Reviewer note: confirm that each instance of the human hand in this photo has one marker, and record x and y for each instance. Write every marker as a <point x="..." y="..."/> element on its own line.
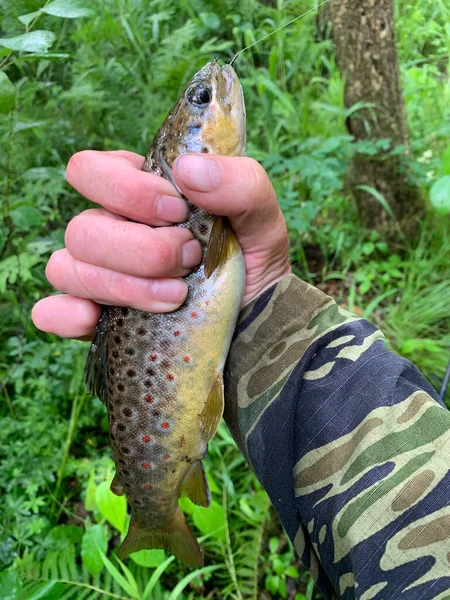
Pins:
<point x="111" y="260"/>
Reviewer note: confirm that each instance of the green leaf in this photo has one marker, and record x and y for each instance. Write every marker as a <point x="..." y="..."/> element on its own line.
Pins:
<point x="10" y="585"/>
<point x="90" y="502"/>
<point x="210" y="520"/>
<point x="181" y="585"/>
<point x="376" y="194"/>
<point x="278" y="566"/>
<point x="130" y="588"/>
<point x="445" y="170"/>
<point x="26" y="19"/>
<point x="273" y="544"/>
<point x="94" y="540"/>
<point x="112" y="507"/>
<point x="67" y="9"/>
<point x="186" y="505"/>
<point x="27" y="217"/>
<point x="34" y="41"/>
<point x="155" y="577"/>
<point x="440" y="195"/>
<point x="148" y="558"/>
<point x="291" y="571"/>
<point x="7" y="94"/>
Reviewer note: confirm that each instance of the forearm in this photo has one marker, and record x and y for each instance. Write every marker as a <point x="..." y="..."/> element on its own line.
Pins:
<point x="347" y="438"/>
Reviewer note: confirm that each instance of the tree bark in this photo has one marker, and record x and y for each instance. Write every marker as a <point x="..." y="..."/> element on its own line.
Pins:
<point x="365" y="39"/>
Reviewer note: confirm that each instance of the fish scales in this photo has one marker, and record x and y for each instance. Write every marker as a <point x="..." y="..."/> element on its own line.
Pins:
<point x="160" y="375"/>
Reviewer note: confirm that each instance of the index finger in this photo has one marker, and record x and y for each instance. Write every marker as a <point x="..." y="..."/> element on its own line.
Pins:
<point x="116" y="181"/>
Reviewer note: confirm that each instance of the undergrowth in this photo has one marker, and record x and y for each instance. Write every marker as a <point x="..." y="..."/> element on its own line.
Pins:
<point x="105" y="82"/>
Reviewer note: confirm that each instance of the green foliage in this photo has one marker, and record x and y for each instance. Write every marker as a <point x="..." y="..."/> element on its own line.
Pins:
<point x="77" y="74"/>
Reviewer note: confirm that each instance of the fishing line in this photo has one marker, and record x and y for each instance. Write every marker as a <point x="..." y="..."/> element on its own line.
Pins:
<point x="278" y="29"/>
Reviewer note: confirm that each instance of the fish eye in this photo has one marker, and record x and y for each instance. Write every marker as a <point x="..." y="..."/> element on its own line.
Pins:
<point x="201" y="96"/>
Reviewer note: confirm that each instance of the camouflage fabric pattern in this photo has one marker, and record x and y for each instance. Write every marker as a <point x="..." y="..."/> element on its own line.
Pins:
<point x="350" y="441"/>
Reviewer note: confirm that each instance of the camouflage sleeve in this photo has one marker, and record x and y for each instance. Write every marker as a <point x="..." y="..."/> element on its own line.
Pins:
<point x="349" y="440"/>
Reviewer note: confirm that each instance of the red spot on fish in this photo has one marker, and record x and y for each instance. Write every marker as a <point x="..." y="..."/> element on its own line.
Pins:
<point x="148" y="487"/>
<point x="194" y="315"/>
<point x="170" y="376"/>
<point x="153" y="357"/>
<point x="146" y="438"/>
<point x="206" y="302"/>
<point x="145" y="465"/>
<point x="165" y="425"/>
<point x="166" y="456"/>
<point x="176" y="333"/>
<point x="149" y="399"/>
<point x="163" y="499"/>
<point x="186" y="359"/>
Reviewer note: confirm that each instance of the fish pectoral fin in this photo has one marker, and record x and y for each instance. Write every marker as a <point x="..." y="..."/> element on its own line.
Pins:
<point x="195" y="485"/>
<point x="222" y="245"/>
<point x="116" y="486"/>
<point x="213" y="410"/>
<point x="176" y="537"/>
<point x="95" y="371"/>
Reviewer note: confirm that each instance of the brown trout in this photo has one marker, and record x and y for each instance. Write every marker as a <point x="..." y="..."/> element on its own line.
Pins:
<point x="160" y="375"/>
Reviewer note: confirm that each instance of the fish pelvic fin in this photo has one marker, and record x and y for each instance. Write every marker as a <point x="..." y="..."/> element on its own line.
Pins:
<point x="176" y="537"/>
<point x="195" y="485"/>
<point x="222" y="245"/>
<point x="213" y="410"/>
<point x="116" y="486"/>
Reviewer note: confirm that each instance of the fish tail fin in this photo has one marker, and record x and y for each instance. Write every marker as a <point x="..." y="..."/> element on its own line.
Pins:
<point x="176" y="537"/>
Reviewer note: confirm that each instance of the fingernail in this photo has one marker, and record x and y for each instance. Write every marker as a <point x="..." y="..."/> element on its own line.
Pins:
<point x="170" y="208"/>
<point x="169" y="290"/>
<point x="191" y="254"/>
<point x="199" y="173"/>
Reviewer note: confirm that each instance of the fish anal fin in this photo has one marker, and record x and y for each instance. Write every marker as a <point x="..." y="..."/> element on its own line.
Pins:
<point x="95" y="371"/>
<point x="222" y="245"/>
<point x="213" y="410"/>
<point x="116" y="486"/>
<point x="176" y="537"/>
<point x="195" y="485"/>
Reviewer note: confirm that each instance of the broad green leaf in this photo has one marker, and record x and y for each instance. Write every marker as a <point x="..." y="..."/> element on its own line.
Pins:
<point x="186" y="505"/>
<point x="34" y="41"/>
<point x="211" y="519"/>
<point x="291" y="571"/>
<point x="26" y="19"/>
<point x="94" y="540"/>
<point x="90" y="502"/>
<point x="10" y="585"/>
<point x="446" y="162"/>
<point x="7" y="94"/>
<point x="112" y="507"/>
<point x="67" y="9"/>
<point x="27" y="217"/>
<point x="148" y="558"/>
<point x="440" y="195"/>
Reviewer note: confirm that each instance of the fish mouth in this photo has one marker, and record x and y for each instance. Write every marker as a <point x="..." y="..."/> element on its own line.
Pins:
<point x="234" y="98"/>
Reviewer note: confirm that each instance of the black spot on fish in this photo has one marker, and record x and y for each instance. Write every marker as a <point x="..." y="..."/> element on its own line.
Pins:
<point x="131" y="372"/>
<point x="119" y="322"/>
<point x="150" y="371"/>
<point x="115" y="354"/>
<point x="120" y="387"/>
<point x="203" y="229"/>
<point x="145" y="316"/>
<point x="127" y="411"/>
<point x="125" y="472"/>
<point x="165" y="364"/>
<point x="126" y="335"/>
<point x="148" y="383"/>
<point x="117" y="339"/>
<point x="129" y="351"/>
<point x="205" y="150"/>
<point x="121" y="461"/>
<point x="141" y="331"/>
<point x="125" y="450"/>
<point x="121" y="427"/>
<point x="111" y="371"/>
<point x="156" y="413"/>
<point x="124" y="311"/>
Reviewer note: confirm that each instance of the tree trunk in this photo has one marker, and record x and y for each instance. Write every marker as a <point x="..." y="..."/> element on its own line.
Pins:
<point x="365" y="39"/>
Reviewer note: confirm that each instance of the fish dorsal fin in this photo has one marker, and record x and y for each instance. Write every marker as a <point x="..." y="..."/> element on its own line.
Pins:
<point x="213" y="410"/>
<point x="222" y="245"/>
<point x="195" y="485"/>
<point x="116" y="486"/>
<point x="96" y="369"/>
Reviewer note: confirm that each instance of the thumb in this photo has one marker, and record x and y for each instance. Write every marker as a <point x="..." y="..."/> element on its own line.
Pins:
<point x="237" y="187"/>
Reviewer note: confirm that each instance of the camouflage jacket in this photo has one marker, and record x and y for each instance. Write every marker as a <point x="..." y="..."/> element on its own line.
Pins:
<point x="350" y="441"/>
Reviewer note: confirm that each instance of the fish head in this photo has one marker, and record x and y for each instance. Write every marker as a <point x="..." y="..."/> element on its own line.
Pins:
<point x="209" y="117"/>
